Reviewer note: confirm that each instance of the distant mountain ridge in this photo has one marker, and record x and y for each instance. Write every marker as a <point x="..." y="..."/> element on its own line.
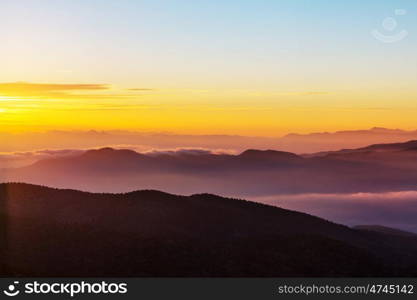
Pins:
<point x="388" y="147"/>
<point x="268" y="154"/>
<point x="347" y="139"/>
<point x="375" y="168"/>
<point x="386" y="230"/>
<point x="371" y="131"/>
<point x="152" y="233"/>
<point x="145" y="141"/>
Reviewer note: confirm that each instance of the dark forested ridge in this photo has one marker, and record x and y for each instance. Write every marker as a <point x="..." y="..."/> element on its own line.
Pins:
<point x="52" y="232"/>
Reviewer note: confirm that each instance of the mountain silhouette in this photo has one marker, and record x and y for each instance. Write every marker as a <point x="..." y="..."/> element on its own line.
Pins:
<point x="386" y="230"/>
<point x="296" y="143"/>
<point x="324" y="141"/>
<point x="375" y="148"/>
<point x="52" y="232"/>
<point x="268" y="155"/>
<point x="376" y="168"/>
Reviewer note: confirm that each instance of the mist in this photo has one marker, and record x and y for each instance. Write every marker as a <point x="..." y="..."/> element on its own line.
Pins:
<point x="392" y="209"/>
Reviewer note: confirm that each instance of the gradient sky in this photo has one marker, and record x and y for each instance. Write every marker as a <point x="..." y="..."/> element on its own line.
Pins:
<point x="228" y="67"/>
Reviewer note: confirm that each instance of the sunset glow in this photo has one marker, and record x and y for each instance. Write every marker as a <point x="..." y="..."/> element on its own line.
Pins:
<point x="208" y="139"/>
<point x="125" y="65"/>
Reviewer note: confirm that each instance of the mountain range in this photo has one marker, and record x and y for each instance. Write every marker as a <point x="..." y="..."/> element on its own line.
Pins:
<point x="147" y="141"/>
<point x="52" y="232"/>
<point x="375" y="168"/>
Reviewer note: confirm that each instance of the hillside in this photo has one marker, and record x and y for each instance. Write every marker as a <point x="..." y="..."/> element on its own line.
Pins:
<point x="52" y="232"/>
<point x="386" y="230"/>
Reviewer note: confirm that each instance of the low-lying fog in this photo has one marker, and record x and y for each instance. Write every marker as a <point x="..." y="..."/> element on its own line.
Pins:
<point x="393" y="209"/>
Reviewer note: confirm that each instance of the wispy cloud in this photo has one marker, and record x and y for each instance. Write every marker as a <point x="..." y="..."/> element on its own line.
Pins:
<point x="288" y="93"/>
<point x="189" y="151"/>
<point x="23" y="158"/>
<point x="37" y="88"/>
<point x="63" y="91"/>
<point x="307" y="93"/>
<point x="139" y="89"/>
<point x="20" y="159"/>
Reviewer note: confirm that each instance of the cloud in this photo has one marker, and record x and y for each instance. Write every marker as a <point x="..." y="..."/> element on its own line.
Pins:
<point x="289" y="93"/>
<point x="139" y="89"/>
<point x="61" y="91"/>
<point x="392" y="209"/>
<point x="174" y="151"/>
<point x="24" y="158"/>
<point x="20" y="159"/>
<point x="307" y="93"/>
<point x="36" y="88"/>
<point x="188" y="151"/>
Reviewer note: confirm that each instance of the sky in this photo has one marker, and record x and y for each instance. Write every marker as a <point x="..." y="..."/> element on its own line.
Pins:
<point x="261" y="68"/>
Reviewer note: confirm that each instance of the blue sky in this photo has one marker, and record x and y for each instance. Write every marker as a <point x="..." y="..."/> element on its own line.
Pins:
<point x="240" y="35"/>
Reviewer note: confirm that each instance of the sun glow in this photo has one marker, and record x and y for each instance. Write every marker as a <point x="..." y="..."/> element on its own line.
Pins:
<point x="250" y="79"/>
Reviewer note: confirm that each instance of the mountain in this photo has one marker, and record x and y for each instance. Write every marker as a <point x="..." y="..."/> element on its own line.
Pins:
<point x="375" y="148"/>
<point x="325" y="141"/>
<point x="52" y="232"/>
<point x="393" y="156"/>
<point x="268" y="155"/>
<point x="386" y="230"/>
<point x="145" y="141"/>
<point x="376" y="168"/>
<point x="391" y="147"/>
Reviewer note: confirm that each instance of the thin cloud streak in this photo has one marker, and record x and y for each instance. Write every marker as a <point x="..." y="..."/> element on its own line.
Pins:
<point x="62" y="91"/>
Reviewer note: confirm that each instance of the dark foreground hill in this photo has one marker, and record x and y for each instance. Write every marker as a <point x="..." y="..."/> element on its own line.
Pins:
<point x="386" y="230"/>
<point x="51" y="232"/>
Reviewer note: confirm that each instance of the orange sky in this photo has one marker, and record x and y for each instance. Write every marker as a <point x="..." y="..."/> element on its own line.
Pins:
<point x="35" y="107"/>
<point x="266" y="70"/>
